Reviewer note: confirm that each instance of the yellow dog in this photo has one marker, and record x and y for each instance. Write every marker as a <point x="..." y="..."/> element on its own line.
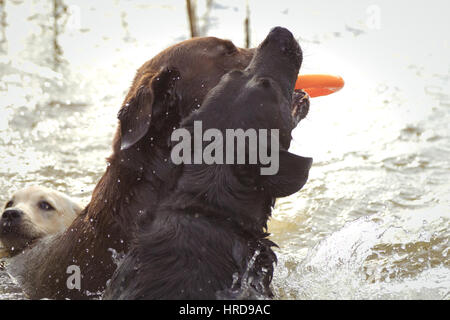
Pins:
<point x="32" y="213"/>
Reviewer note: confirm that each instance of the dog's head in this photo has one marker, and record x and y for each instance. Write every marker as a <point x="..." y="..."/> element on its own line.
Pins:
<point x="169" y="87"/>
<point x="32" y="213"/>
<point x="259" y="98"/>
<point x="173" y="84"/>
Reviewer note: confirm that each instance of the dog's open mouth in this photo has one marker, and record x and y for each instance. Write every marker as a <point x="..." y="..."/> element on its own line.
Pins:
<point x="300" y="105"/>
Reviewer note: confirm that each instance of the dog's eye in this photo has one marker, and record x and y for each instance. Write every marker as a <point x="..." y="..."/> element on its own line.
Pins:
<point x="44" y="205"/>
<point x="230" y="48"/>
<point x="9" y="204"/>
<point x="231" y="51"/>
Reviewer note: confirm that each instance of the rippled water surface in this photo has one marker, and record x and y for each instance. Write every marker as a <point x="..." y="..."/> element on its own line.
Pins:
<point x="373" y="220"/>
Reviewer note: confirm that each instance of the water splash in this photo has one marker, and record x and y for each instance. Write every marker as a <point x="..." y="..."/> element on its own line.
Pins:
<point x="246" y="287"/>
<point x="378" y="257"/>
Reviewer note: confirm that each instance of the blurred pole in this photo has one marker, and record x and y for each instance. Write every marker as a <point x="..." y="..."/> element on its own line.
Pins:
<point x="59" y="11"/>
<point x="247" y="25"/>
<point x="190" y="5"/>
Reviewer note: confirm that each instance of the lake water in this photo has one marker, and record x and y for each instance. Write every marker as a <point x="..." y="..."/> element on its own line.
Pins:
<point x="373" y="220"/>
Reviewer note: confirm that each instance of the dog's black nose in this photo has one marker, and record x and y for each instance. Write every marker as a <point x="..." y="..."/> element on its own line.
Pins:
<point x="281" y="33"/>
<point x="12" y="215"/>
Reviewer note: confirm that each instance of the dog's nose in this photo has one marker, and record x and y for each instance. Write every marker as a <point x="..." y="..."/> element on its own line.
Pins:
<point x="12" y="215"/>
<point x="281" y="35"/>
<point x="280" y="32"/>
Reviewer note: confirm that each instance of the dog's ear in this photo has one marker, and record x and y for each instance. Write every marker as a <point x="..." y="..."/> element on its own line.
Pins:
<point x="291" y="176"/>
<point x="136" y="115"/>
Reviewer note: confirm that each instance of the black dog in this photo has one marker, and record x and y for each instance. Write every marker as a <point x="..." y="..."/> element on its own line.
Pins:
<point x="207" y="238"/>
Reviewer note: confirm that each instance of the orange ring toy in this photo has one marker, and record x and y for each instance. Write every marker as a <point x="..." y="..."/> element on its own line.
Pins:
<point x="317" y="85"/>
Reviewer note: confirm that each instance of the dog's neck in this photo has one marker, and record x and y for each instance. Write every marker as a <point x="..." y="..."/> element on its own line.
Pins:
<point x="215" y="189"/>
<point x="135" y="180"/>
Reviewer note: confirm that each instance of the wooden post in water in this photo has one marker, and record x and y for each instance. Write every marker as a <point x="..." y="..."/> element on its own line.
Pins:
<point x="190" y="5"/>
<point x="247" y="25"/>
